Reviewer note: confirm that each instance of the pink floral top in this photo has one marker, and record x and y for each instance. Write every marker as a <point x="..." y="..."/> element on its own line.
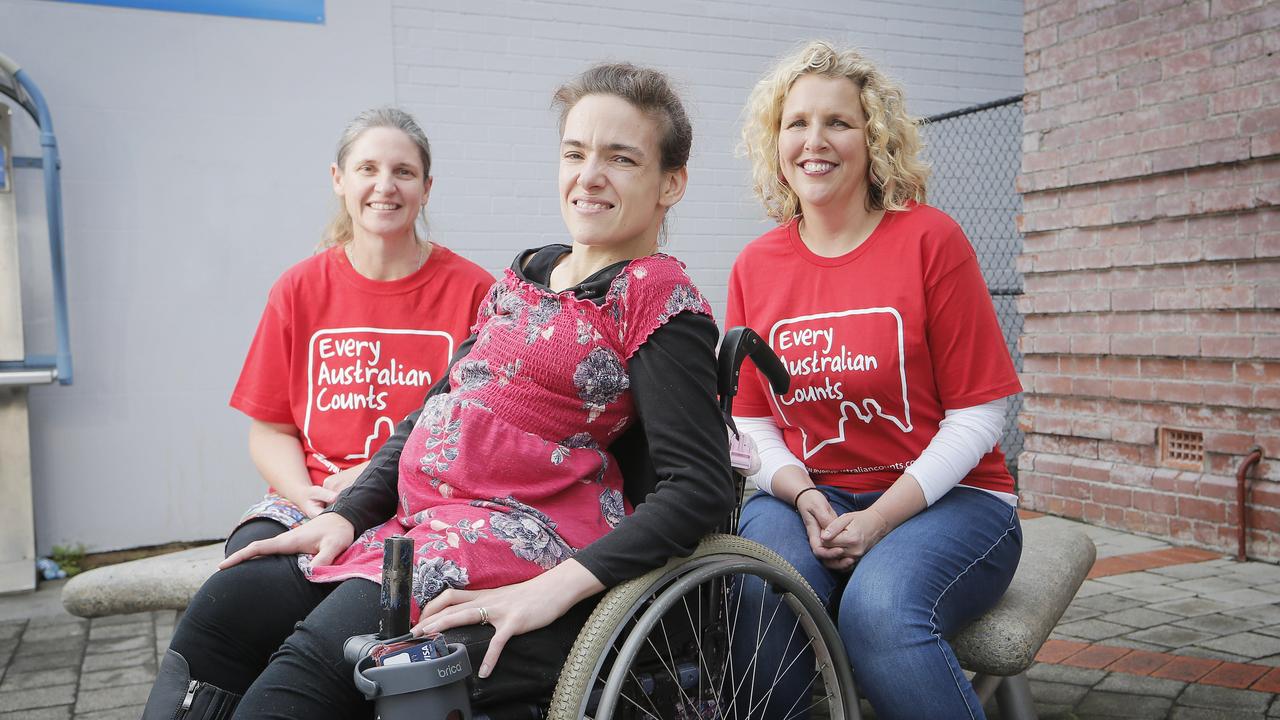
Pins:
<point x="507" y="474"/>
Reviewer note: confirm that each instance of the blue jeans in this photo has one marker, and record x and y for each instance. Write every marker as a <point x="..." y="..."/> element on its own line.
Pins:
<point x="921" y="584"/>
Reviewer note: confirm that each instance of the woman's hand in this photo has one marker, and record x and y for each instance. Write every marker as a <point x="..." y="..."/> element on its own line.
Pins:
<point x="816" y="514"/>
<point x="512" y="609"/>
<point x="342" y="479"/>
<point x="315" y="499"/>
<point x="325" y="537"/>
<point x="851" y="535"/>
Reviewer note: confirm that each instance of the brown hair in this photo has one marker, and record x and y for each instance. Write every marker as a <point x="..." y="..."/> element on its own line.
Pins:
<point x="648" y="90"/>
<point x="339" y="231"/>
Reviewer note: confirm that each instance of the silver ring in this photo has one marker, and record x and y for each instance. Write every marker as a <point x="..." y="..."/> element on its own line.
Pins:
<point x="484" y="616"/>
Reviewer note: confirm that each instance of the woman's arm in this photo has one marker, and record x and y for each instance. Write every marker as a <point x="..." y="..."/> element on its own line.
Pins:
<point x="964" y="436"/>
<point x="372" y="498"/>
<point x="277" y="452"/>
<point x="673" y="383"/>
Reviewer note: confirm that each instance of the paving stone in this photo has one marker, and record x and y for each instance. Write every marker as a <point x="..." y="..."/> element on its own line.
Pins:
<point x="1135" y="645"/>
<point x="1259" y="571"/>
<point x="164" y="616"/>
<point x="1131" y="707"/>
<point x="1265" y="614"/>
<point x="1094" y="629"/>
<point x="12" y="630"/>
<point x="1159" y="593"/>
<point x="123" y="630"/>
<point x="132" y="712"/>
<point x="1170" y="636"/>
<point x="1202" y="652"/>
<point x="1078" y="612"/>
<point x="1274" y="710"/>
<point x="119" y="676"/>
<point x="1245" y="597"/>
<point x="47" y="696"/>
<point x="46" y="661"/>
<point x="1138" y="579"/>
<point x="1211" y="586"/>
<point x="1273" y="661"/>
<point x="1272" y="630"/>
<point x="1210" y="696"/>
<point x="1045" y="711"/>
<point x="1189" y="571"/>
<point x="58" y="712"/>
<point x="107" y="661"/>
<point x="40" y="678"/>
<point x="1057" y="693"/>
<point x="54" y="633"/>
<point x="1218" y="624"/>
<point x="57" y="619"/>
<point x="125" y="619"/>
<point x="136" y="642"/>
<point x="1106" y="602"/>
<point x="112" y="697"/>
<point x="1195" y="713"/>
<point x="1065" y="674"/>
<point x="1139" y="685"/>
<point x="1093" y="587"/>
<point x="1248" y="644"/>
<point x="1193" y="606"/>
<point x="1141" y="618"/>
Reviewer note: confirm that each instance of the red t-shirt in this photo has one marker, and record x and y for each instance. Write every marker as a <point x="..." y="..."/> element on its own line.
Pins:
<point x="344" y="358"/>
<point x="879" y="342"/>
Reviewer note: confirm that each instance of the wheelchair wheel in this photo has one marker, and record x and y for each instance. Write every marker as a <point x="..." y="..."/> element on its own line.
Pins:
<point x="659" y="646"/>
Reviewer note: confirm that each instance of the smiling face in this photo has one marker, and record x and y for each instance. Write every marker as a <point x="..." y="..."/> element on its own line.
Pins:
<point x="382" y="183"/>
<point x="822" y="144"/>
<point x="613" y="190"/>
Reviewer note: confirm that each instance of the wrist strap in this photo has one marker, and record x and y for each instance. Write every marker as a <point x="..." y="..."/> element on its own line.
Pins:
<point x="795" y="502"/>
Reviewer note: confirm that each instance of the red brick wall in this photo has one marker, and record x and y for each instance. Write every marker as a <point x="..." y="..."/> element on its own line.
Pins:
<point x="1150" y="181"/>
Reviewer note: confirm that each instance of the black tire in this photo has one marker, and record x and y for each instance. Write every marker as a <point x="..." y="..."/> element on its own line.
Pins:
<point x="625" y="662"/>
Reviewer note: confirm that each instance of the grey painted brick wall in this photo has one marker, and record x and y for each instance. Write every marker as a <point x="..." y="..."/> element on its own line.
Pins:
<point x="196" y="150"/>
<point x="481" y="76"/>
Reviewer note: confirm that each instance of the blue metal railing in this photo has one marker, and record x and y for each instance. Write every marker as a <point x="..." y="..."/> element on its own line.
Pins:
<point x="34" y="104"/>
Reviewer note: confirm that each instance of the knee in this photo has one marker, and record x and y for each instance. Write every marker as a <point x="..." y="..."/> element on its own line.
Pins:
<point x="879" y="614"/>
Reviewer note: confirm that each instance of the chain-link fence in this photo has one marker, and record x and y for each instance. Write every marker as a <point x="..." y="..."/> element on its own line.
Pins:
<point x="976" y="154"/>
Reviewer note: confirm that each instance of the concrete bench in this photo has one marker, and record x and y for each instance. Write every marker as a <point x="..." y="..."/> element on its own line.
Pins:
<point x="1000" y="646"/>
<point x="163" y="582"/>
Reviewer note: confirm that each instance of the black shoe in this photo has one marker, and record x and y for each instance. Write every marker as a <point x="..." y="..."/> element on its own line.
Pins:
<point x="175" y="696"/>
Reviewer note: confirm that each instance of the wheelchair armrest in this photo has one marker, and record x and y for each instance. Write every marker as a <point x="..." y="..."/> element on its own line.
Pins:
<point x="740" y="343"/>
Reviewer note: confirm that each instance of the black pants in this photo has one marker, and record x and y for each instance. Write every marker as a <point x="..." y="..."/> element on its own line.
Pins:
<point x="262" y="629"/>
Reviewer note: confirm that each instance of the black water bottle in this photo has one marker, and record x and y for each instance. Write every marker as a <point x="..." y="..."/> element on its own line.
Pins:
<point x="397" y="586"/>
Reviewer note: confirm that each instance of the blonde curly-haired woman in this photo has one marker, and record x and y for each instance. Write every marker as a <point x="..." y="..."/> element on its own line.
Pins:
<point x="883" y="452"/>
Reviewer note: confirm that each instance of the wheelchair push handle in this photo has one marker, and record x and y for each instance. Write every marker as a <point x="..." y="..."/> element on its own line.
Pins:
<point x="740" y="343"/>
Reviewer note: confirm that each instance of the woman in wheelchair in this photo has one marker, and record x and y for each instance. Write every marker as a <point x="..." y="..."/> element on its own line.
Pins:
<point x="882" y="454"/>
<point x="507" y="479"/>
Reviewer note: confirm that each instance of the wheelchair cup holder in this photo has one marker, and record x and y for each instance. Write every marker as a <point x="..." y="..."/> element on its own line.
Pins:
<point x="431" y="688"/>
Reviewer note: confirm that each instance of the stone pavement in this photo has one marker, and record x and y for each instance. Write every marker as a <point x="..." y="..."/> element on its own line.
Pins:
<point x="1156" y="632"/>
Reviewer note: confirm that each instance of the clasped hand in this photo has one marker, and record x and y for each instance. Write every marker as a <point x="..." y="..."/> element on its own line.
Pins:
<point x="839" y="541"/>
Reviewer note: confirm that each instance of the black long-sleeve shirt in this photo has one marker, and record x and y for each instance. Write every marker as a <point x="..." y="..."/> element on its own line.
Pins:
<point x="674" y="460"/>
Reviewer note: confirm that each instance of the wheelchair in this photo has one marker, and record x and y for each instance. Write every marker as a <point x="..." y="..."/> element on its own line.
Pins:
<point x="659" y="646"/>
<point x="662" y="646"/>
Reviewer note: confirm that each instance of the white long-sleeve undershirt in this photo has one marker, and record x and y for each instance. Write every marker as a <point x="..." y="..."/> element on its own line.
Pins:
<point x="964" y="436"/>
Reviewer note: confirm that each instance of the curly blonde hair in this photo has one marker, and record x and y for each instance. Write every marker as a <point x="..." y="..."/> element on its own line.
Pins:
<point x="897" y="174"/>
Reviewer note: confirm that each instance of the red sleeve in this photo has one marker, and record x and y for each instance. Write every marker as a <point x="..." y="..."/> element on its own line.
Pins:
<point x="262" y="392"/>
<point x="751" y="400"/>
<point x="970" y="359"/>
